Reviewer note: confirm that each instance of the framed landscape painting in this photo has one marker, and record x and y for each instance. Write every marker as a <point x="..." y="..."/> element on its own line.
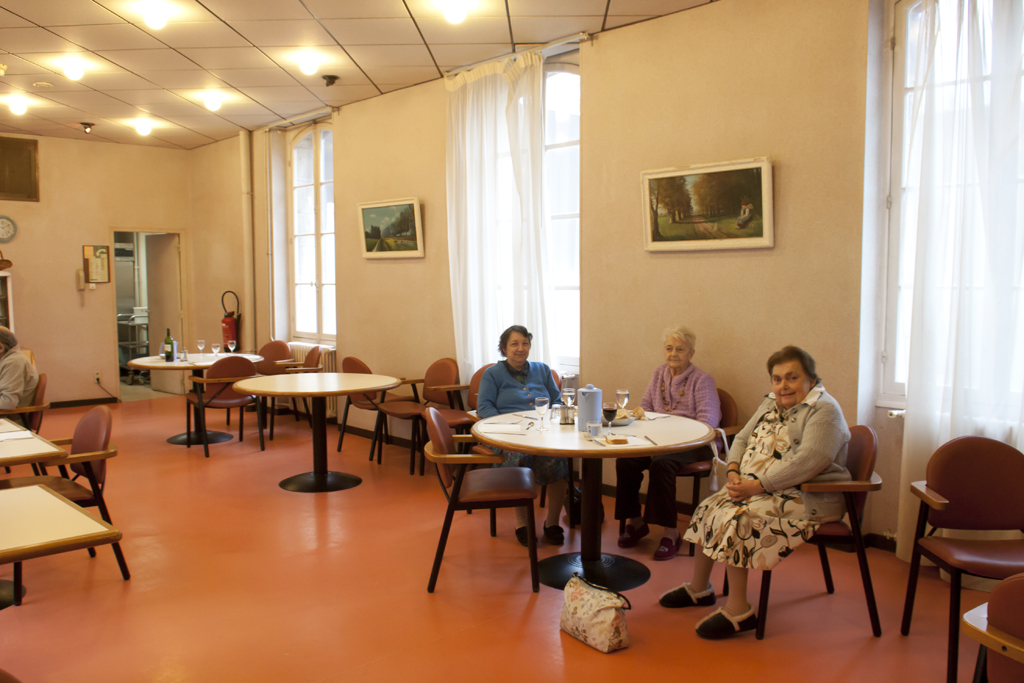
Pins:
<point x="700" y="208"/>
<point x="391" y="229"/>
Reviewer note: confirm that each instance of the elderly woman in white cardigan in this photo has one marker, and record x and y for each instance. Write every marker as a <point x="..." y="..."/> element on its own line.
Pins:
<point x="797" y="435"/>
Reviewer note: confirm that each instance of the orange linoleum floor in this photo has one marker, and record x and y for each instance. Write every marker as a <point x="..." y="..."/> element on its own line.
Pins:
<point x="235" y="579"/>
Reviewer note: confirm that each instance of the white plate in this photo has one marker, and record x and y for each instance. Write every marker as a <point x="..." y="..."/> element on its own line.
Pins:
<point x="623" y="421"/>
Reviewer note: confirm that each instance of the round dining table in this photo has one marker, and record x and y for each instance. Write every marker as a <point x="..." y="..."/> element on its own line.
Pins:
<point x="317" y="386"/>
<point x="196" y="364"/>
<point x="659" y="436"/>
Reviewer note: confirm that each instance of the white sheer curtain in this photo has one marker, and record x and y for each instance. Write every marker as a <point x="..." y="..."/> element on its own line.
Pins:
<point x="966" y="229"/>
<point x="499" y="273"/>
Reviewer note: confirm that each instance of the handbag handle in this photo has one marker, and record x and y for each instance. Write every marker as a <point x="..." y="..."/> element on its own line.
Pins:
<point x="602" y="588"/>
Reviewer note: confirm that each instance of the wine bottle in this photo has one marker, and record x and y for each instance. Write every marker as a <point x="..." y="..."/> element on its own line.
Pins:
<point x="168" y="347"/>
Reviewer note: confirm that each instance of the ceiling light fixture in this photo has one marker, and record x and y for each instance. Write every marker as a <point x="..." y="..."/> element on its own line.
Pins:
<point x="17" y="105"/>
<point x="309" y="64"/>
<point x="155" y="14"/>
<point x="143" y="127"/>
<point x="74" y="69"/>
<point x="87" y="127"/>
<point x="455" y="10"/>
<point x="213" y="101"/>
<point x="41" y="84"/>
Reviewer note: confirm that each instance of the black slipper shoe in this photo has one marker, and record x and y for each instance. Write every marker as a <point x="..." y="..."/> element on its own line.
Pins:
<point x="523" y="536"/>
<point x="554" y="535"/>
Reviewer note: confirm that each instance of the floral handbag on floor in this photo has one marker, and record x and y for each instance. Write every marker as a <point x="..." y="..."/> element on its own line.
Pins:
<point x="595" y="615"/>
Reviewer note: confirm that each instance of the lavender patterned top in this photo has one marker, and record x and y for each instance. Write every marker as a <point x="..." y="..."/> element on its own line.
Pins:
<point x="691" y="393"/>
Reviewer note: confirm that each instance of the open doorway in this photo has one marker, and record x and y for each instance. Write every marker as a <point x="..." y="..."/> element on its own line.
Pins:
<point x="147" y="276"/>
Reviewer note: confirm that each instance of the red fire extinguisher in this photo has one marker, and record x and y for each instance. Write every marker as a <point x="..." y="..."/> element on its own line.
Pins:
<point x="230" y="323"/>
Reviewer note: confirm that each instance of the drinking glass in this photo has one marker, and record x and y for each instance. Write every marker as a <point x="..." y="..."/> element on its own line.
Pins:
<point x="215" y="348"/>
<point x="609" y="410"/>
<point x="568" y="396"/>
<point x="622" y="397"/>
<point x="594" y="430"/>
<point x="541" y="404"/>
<point x="201" y="344"/>
<point x="231" y="348"/>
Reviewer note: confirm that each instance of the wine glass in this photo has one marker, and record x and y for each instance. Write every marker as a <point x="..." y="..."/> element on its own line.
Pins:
<point x="215" y="348"/>
<point x="541" y="404"/>
<point x="622" y="397"/>
<point x="201" y="344"/>
<point x="609" y="410"/>
<point x="568" y="396"/>
<point x="231" y="348"/>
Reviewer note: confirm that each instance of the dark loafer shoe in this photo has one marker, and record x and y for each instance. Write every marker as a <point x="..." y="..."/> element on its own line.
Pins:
<point x="682" y="597"/>
<point x="523" y="536"/>
<point x="668" y="549"/>
<point x="554" y="535"/>
<point x="719" y="625"/>
<point x="631" y="536"/>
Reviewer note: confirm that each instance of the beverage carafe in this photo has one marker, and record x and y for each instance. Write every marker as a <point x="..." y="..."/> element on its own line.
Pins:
<point x="588" y="406"/>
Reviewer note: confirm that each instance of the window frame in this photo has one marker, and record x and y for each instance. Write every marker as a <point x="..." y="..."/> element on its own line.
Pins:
<point x="293" y="139"/>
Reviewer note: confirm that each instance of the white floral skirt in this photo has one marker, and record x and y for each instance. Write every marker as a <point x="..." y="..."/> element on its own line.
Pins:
<point x="756" y="533"/>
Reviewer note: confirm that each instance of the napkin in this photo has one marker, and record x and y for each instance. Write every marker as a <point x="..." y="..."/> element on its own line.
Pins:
<point x="11" y="436"/>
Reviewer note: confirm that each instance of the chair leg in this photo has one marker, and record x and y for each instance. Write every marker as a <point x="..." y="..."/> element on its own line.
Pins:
<point x="273" y="411"/>
<point x="762" y="606"/>
<point x="915" y="568"/>
<point x="241" y="412"/>
<point x="826" y="570"/>
<point x="92" y="552"/>
<point x="295" y="408"/>
<point x="694" y="500"/>
<point x="380" y="440"/>
<point x="865" y="572"/>
<point x="953" y="655"/>
<point x="229" y="417"/>
<point x="188" y="425"/>
<point x="259" y="422"/>
<point x="440" y="546"/>
<point x="344" y="421"/>
<point x="981" y="666"/>
<point x="309" y="414"/>
<point x="494" y="521"/>
<point x="571" y="499"/>
<point x="412" y="449"/>
<point x="543" y="495"/>
<point x="531" y="535"/>
<point x="18" y="589"/>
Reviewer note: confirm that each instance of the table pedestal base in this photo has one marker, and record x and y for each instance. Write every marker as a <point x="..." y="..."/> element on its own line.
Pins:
<point x="197" y="438"/>
<point x="311" y="482"/>
<point x="614" y="572"/>
<point x="7" y="594"/>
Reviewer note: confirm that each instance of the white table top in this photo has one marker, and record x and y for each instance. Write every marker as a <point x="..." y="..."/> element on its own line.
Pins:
<point x="316" y="384"/>
<point x="196" y="361"/>
<point x="35" y="521"/>
<point x="32" y="448"/>
<point x="670" y="434"/>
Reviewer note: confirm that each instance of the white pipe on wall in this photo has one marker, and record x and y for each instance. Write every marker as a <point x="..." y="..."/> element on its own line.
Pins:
<point x="248" y="266"/>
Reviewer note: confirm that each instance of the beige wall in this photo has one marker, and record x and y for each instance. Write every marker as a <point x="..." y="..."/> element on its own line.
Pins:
<point x="726" y="81"/>
<point x="395" y="315"/>
<point x="89" y="190"/>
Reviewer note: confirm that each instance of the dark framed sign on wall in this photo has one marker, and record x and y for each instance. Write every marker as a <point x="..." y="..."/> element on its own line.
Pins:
<point x="19" y="169"/>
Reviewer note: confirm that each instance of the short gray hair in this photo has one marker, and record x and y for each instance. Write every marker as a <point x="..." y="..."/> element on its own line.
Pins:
<point x="680" y="332"/>
<point x="7" y="338"/>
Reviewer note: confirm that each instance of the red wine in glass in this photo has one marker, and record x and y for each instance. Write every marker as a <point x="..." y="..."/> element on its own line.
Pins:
<point x="609" y="410"/>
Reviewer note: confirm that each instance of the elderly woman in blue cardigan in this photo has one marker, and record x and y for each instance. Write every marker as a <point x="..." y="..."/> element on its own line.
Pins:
<point x="511" y="386"/>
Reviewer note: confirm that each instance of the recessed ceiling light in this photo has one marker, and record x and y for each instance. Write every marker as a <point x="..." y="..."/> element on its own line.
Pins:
<point x="309" y="63"/>
<point x="155" y="13"/>
<point x="454" y="10"/>
<point x="213" y="101"/>
<point x="17" y="105"/>
<point x="143" y="127"/>
<point x="74" y="69"/>
<point x="42" y="84"/>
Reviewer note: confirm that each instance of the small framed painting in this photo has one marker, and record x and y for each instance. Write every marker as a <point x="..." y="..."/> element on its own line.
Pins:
<point x="97" y="263"/>
<point x="391" y="229"/>
<point x="700" y="208"/>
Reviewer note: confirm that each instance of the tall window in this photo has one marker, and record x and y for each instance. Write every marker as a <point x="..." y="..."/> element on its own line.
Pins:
<point x="312" y="276"/>
<point x="562" y="204"/>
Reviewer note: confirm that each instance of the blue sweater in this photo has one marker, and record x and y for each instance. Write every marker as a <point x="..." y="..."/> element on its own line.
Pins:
<point x="500" y="393"/>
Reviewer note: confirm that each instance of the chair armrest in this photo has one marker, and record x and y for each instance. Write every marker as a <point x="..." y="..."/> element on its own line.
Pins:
<point x="464" y="438"/>
<point x="930" y="498"/>
<point x="25" y="409"/>
<point x="411" y="381"/>
<point x="300" y="370"/>
<point x="219" y="380"/>
<point x="89" y="457"/>
<point x="287" y="363"/>
<point x="461" y="458"/>
<point x="449" y="387"/>
<point x="731" y="431"/>
<point x="874" y="484"/>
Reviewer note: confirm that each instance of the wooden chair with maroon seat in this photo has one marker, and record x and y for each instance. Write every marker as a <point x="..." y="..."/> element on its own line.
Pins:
<point x="461" y="420"/>
<point x="998" y="626"/>
<point x="972" y="483"/>
<point x="31" y="416"/>
<point x="367" y="402"/>
<point x="860" y="461"/>
<point x="311" y="363"/>
<point x="88" y="454"/>
<point x="272" y="352"/>
<point x="441" y="373"/>
<point x="476" y="489"/>
<point x="216" y="391"/>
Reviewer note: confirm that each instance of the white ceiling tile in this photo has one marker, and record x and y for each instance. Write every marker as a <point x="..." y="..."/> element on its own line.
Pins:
<point x="392" y="88"/>
<point x="109" y="37"/>
<point x="353" y="9"/>
<point x="61" y="12"/>
<point x="210" y="125"/>
<point x="184" y="10"/>
<point x="96" y="103"/>
<point x="113" y="82"/>
<point x="17" y="65"/>
<point x="284" y="33"/>
<point x="254" y="121"/>
<point x="562" y="8"/>
<point x="651" y="7"/>
<point x="472" y="30"/>
<point x="60" y="83"/>
<point x="268" y="96"/>
<point x="481" y="8"/>
<point x="449" y="56"/>
<point x="195" y="78"/>
<point x="32" y="40"/>
<point x="164" y="59"/>
<point x="8" y="20"/>
<point x="289" y="109"/>
<point x="254" y="77"/>
<point x="240" y="10"/>
<point x="546" y="29"/>
<point x="343" y="94"/>
<point x="178" y="108"/>
<point x="242" y="107"/>
<point x="346" y="77"/>
<point x="391" y="31"/>
<point x="390" y="55"/>
<point x="54" y="61"/>
<point x="198" y="34"/>
<point x="331" y="58"/>
<point x="228" y="58"/>
<point x="401" y="75"/>
<point x="66" y="115"/>
<point x="616" y="21"/>
<point x="148" y="96"/>
<point x="185" y="138"/>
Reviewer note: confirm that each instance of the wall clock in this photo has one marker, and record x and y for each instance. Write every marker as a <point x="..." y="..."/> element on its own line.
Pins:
<point x="8" y="229"/>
